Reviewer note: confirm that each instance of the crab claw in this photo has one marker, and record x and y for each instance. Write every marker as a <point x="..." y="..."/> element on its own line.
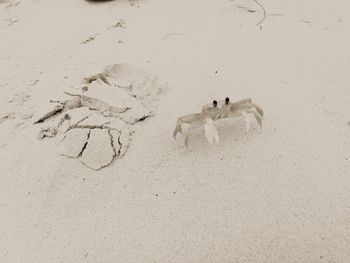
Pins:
<point x="210" y="131"/>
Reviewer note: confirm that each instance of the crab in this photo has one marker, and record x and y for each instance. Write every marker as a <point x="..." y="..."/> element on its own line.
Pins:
<point x="217" y="111"/>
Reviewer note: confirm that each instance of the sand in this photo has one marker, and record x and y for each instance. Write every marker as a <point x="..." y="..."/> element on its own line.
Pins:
<point x="280" y="194"/>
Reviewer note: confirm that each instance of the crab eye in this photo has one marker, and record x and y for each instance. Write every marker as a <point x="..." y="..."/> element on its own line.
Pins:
<point x="227" y="100"/>
<point x="215" y="103"/>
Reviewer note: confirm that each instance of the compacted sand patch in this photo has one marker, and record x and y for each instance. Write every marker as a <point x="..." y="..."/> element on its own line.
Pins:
<point x="99" y="151"/>
<point x="95" y="122"/>
<point x="74" y="142"/>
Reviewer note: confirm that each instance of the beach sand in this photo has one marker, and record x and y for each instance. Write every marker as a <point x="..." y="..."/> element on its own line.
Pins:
<point x="280" y="194"/>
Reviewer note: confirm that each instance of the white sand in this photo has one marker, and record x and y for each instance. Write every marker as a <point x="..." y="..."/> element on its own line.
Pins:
<point x="280" y="195"/>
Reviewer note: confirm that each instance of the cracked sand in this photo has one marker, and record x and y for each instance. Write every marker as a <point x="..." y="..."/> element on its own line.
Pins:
<point x="94" y="124"/>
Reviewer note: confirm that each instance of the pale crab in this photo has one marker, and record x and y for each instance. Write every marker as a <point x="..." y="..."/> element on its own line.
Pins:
<point x="217" y="111"/>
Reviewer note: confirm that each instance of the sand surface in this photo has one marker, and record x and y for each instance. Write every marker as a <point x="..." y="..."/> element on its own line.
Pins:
<point x="277" y="195"/>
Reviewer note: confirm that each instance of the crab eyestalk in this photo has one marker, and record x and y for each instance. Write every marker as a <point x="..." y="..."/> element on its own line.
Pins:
<point x="215" y="103"/>
<point x="227" y="100"/>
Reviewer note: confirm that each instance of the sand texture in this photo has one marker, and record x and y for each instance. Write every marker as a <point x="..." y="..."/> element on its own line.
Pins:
<point x="91" y="92"/>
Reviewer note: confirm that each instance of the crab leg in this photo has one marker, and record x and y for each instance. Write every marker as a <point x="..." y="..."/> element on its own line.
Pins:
<point x="190" y="122"/>
<point x="245" y="109"/>
<point x="239" y="103"/>
<point x="258" y="118"/>
<point x="259" y="110"/>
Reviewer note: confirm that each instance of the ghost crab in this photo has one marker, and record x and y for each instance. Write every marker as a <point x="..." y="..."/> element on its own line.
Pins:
<point x="214" y="112"/>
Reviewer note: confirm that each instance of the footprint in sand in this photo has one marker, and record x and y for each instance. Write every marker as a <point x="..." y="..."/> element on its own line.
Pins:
<point x="94" y="123"/>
